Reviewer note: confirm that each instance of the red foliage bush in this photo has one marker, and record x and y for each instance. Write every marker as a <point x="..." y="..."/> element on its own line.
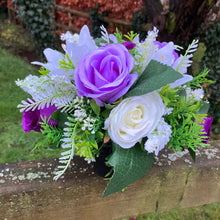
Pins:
<point x="10" y="4"/>
<point x="118" y="9"/>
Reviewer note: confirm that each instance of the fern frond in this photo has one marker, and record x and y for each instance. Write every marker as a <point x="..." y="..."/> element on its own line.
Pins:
<point x="67" y="108"/>
<point x="68" y="142"/>
<point x="66" y="159"/>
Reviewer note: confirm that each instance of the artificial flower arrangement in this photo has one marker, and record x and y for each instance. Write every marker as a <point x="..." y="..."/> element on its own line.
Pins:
<point x="116" y="91"/>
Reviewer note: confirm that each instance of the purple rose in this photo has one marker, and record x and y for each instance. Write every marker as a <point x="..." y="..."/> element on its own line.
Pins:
<point x="206" y="123"/>
<point x="104" y="74"/>
<point x="31" y="119"/>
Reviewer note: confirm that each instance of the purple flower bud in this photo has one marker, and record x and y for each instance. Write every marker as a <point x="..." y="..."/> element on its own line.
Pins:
<point x="206" y="123"/>
<point x="129" y="45"/>
<point x="31" y="119"/>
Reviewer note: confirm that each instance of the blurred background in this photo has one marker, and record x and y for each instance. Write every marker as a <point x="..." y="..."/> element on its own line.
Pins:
<point x="27" y="27"/>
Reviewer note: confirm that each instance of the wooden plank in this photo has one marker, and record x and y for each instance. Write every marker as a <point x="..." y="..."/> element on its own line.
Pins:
<point x="86" y="15"/>
<point x="72" y="11"/>
<point x="27" y="189"/>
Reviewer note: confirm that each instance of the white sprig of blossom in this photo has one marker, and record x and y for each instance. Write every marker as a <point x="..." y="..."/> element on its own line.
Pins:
<point x="168" y="111"/>
<point x="158" y="139"/>
<point x="45" y="91"/>
<point x="196" y="94"/>
<point x="184" y="60"/>
<point x="81" y="115"/>
<point x="145" y="50"/>
<point x="71" y="38"/>
<point x="105" y="35"/>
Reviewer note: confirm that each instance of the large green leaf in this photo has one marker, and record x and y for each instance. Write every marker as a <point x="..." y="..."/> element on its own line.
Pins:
<point x="155" y="76"/>
<point x="129" y="166"/>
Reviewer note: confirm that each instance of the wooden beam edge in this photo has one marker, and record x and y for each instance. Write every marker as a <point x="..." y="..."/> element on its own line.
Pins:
<point x="27" y="189"/>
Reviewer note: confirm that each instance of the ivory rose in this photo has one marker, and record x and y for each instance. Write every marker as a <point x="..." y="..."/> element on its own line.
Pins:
<point x="134" y="118"/>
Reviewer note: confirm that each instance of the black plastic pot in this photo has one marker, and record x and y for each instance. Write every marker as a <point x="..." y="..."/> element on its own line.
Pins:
<point x="100" y="166"/>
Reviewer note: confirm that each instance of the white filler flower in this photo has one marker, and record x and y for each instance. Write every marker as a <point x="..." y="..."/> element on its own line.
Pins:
<point x="134" y="118"/>
<point x="158" y="138"/>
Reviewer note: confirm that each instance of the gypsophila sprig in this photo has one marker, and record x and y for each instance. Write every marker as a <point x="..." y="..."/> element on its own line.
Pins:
<point x="118" y="100"/>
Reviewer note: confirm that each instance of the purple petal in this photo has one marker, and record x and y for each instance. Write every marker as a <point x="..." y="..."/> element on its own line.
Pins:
<point x="31" y="119"/>
<point x="47" y="112"/>
<point x="129" y="45"/>
<point x="207" y="122"/>
<point x="104" y="74"/>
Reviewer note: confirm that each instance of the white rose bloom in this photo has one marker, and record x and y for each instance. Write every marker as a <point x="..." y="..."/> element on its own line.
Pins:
<point x="134" y="118"/>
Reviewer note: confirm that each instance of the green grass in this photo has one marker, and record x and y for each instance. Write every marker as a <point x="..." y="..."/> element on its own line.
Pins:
<point x="205" y="212"/>
<point x="15" y="144"/>
<point x="16" y="40"/>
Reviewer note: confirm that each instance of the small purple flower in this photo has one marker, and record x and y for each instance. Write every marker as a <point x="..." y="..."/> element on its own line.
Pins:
<point x="129" y="45"/>
<point x="206" y="123"/>
<point x="104" y="74"/>
<point x="31" y="119"/>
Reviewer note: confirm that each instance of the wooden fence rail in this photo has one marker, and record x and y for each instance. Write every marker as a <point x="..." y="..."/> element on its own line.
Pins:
<point x="108" y="20"/>
<point x="69" y="11"/>
<point x="27" y="190"/>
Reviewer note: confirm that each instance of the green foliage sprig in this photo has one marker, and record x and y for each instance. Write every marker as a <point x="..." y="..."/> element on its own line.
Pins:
<point x="43" y="71"/>
<point x="52" y="135"/>
<point x="185" y="123"/>
<point x="66" y="64"/>
<point x="197" y="81"/>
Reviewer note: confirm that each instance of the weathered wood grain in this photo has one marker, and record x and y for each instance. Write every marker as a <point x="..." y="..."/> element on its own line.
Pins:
<point x="27" y="189"/>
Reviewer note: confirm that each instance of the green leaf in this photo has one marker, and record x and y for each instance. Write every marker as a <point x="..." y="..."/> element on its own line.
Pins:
<point x="99" y="41"/>
<point x="61" y="117"/>
<point x="105" y="113"/>
<point x="55" y="115"/>
<point x="94" y="106"/>
<point x="204" y="108"/>
<point x="194" y="107"/>
<point x="155" y="76"/>
<point x="129" y="166"/>
<point x="192" y="154"/>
